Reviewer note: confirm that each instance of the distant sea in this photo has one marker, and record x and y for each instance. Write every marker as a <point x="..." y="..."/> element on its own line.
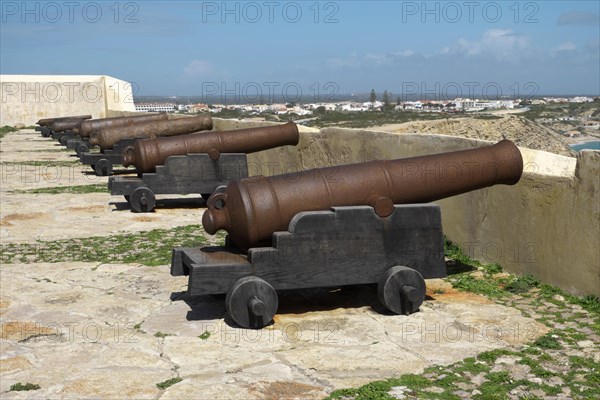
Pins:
<point x="591" y="145"/>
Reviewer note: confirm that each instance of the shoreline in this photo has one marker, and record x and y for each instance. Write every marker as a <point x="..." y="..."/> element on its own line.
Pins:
<point x="577" y="141"/>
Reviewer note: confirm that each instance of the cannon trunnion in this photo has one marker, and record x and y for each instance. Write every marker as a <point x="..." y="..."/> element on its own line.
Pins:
<point x="343" y="246"/>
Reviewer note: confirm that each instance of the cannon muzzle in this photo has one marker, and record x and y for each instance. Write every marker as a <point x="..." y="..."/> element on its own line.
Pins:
<point x="49" y="121"/>
<point x="252" y="209"/>
<point x="91" y="127"/>
<point x="106" y="138"/>
<point x="146" y="154"/>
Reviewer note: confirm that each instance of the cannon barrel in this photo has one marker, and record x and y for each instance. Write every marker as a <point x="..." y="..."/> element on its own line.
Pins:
<point x="49" y="121"/>
<point x="106" y="138"/>
<point x="89" y="128"/>
<point x="252" y="209"/>
<point x="146" y="154"/>
<point x="65" y="125"/>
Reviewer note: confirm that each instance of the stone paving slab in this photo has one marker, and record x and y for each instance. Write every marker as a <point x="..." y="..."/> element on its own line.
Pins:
<point x="24" y="141"/>
<point x="26" y="217"/>
<point x="74" y="327"/>
<point x="29" y="161"/>
<point x="64" y="216"/>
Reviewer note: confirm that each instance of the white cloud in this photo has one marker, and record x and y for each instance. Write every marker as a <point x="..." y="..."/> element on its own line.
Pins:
<point x="567" y="46"/>
<point x="198" y="67"/>
<point x="503" y="44"/>
<point x="405" y="53"/>
<point x="355" y="60"/>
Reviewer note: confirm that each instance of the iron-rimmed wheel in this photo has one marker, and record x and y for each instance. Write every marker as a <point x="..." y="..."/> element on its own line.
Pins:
<point x="401" y="290"/>
<point x="103" y="167"/>
<point x="251" y="302"/>
<point x="82" y="148"/>
<point x="142" y="199"/>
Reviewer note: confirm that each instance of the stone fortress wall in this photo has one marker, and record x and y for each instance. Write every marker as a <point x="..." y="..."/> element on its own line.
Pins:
<point x="27" y="98"/>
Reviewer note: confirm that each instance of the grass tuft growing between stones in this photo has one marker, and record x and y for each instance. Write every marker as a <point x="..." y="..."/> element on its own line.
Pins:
<point x="19" y="387"/>
<point x="521" y="284"/>
<point x="76" y="189"/>
<point x="150" y="248"/>
<point x="168" y="383"/>
<point x="6" y="129"/>
<point x="469" y="283"/>
<point x="547" y="342"/>
<point x="381" y="389"/>
<point x="56" y="164"/>
<point x="205" y="335"/>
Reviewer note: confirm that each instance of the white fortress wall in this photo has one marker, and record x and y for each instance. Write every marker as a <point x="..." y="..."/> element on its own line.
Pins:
<point x="24" y="99"/>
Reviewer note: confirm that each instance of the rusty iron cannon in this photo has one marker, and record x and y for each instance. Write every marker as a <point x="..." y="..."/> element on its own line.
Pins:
<point x="275" y="200"/>
<point x="194" y="163"/>
<point x="352" y="224"/>
<point x="109" y="136"/>
<point x="65" y="124"/>
<point x="90" y="127"/>
<point x="65" y="130"/>
<point x="146" y="154"/>
<point x="115" y="141"/>
<point x="45" y="124"/>
<point x="49" y="121"/>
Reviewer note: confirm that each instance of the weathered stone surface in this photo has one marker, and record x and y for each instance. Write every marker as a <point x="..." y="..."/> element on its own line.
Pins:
<point x="63" y="216"/>
<point x="93" y="323"/>
<point x="10" y="364"/>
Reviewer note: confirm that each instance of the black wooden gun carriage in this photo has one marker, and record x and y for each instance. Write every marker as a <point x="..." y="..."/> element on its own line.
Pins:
<point x="186" y="174"/>
<point x="102" y="162"/>
<point x="343" y="246"/>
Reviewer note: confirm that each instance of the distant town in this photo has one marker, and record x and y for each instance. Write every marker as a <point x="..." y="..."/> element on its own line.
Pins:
<point x="308" y="109"/>
<point x="574" y="118"/>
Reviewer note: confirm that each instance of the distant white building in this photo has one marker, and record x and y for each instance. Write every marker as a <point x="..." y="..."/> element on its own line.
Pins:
<point x="373" y="105"/>
<point x="353" y="107"/>
<point x="580" y="99"/>
<point x="413" y="105"/>
<point x="155" y="107"/>
<point x="483" y="104"/>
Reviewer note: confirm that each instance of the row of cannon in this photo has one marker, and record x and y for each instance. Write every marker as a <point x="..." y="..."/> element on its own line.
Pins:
<point x="366" y="223"/>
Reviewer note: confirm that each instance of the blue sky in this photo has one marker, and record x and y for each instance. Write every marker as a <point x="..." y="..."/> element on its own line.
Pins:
<point x="433" y="47"/>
